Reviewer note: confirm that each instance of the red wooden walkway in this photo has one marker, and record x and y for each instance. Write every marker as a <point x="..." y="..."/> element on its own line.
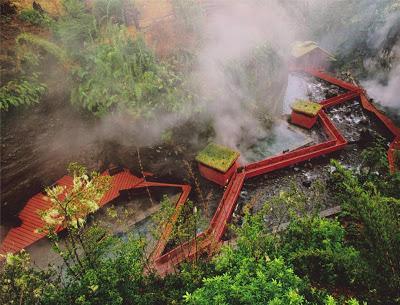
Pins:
<point x="25" y="235"/>
<point x="210" y="239"/>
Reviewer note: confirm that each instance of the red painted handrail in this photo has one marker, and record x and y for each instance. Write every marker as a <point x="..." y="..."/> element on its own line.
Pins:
<point x="26" y="234"/>
<point x="210" y="239"/>
<point x="167" y="262"/>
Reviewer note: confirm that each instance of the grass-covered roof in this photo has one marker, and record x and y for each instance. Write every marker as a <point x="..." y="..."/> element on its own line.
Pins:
<point x="306" y="107"/>
<point x="217" y="156"/>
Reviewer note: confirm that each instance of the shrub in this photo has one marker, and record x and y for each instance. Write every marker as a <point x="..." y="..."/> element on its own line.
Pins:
<point x="316" y="247"/>
<point x="20" y="92"/>
<point x="75" y="28"/>
<point x="35" y="17"/>
<point x="374" y="229"/>
<point x="21" y="284"/>
<point x="121" y="73"/>
<point x="251" y="282"/>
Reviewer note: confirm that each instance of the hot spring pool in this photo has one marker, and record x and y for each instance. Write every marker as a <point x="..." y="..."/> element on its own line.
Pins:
<point x="282" y="136"/>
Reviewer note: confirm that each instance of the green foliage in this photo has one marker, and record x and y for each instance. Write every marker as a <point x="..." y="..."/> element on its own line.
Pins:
<point x="374" y="230"/>
<point x="20" y="92"/>
<point x="162" y="217"/>
<point x="187" y="224"/>
<point x="40" y="44"/>
<point x="250" y="281"/>
<point x="35" y="17"/>
<point x="21" y="284"/>
<point x="110" y="70"/>
<point x="375" y="169"/>
<point x="121" y="73"/>
<point x="396" y="156"/>
<point x="75" y="28"/>
<point x="82" y="248"/>
<point x="69" y="209"/>
<point x="184" y="222"/>
<point x="111" y="280"/>
<point x="317" y="249"/>
<point x="281" y="268"/>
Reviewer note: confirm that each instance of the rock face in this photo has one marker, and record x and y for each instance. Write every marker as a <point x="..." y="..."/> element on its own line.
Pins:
<point x="36" y="151"/>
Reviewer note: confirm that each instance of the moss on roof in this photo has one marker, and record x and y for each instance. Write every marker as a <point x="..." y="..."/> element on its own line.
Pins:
<point x="218" y="157"/>
<point x="307" y="107"/>
<point x="301" y="48"/>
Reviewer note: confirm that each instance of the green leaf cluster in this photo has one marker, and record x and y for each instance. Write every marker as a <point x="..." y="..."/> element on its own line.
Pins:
<point x="21" y="92"/>
<point x="371" y="205"/>
<point x="122" y="73"/>
<point x="22" y="284"/>
<point x="35" y="17"/>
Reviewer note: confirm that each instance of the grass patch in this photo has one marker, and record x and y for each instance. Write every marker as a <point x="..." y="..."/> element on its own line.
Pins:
<point x="218" y="157"/>
<point x="306" y="107"/>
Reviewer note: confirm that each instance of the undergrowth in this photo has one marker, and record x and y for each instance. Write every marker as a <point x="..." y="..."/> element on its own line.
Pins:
<point x="35" y="17"/>
<point x="21" y="92"/>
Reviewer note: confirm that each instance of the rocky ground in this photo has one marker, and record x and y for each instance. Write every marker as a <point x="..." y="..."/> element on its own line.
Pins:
<point x="358" y="127"/>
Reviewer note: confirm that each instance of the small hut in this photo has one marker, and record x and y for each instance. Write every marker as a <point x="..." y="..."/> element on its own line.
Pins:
<point x="217" y="163"/>
<point x="307" y="54"/>
<point x="305" y="113"/>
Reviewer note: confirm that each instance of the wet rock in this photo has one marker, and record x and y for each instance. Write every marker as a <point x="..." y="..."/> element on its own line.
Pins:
<point x="366" y="136"/>
<point x="348" y="111"/>
<point x="364" y="121"/>
<point x="308" y="165"/>
<point x="244" y="194"/>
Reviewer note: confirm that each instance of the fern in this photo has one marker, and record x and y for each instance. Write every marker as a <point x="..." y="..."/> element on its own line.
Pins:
<point x="119" y="72"/>
<point x="20" y="92"/>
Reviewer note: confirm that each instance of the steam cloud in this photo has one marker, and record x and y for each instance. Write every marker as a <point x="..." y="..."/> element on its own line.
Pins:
<point x="384" y="87"/>
<point x="232" y="33"/>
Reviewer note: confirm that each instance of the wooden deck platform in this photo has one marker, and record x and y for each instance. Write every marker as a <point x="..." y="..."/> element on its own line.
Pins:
<point x="25" y="235"/>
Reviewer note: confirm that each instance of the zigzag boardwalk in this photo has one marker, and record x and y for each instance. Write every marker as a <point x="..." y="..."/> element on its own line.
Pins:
<point x="210" y="239"/>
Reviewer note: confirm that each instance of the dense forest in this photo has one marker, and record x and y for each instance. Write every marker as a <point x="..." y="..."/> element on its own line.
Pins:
<point x="86" y="85"/>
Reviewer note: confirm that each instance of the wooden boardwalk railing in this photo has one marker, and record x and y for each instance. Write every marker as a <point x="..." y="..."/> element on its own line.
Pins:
<point x="207" y="240"/>
<point x="210" y="239"/>
<point x="26" y="234"/>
